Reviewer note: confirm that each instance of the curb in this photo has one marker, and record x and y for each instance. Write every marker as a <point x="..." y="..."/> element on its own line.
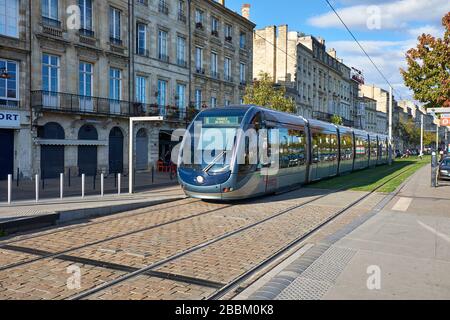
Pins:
<point x="61" y="217"/>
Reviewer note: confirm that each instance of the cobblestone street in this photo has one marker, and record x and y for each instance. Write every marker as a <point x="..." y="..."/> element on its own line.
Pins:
<point x="195" y="247"/>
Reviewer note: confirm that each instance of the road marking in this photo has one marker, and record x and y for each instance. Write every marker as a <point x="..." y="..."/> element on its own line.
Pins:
<point x="402" y="204"/>
<point x="431" y="229"/>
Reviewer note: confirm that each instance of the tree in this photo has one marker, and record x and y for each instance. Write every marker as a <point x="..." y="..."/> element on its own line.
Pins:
<point x="337" y="120"/>
<point x="264" y="93"/>
<point x="428" y="72"/>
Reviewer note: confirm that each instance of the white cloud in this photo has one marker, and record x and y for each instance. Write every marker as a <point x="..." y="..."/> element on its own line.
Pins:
<point x="392" y="15"/>
<point x="436" y="31"/>
<point x="389" y="56"/>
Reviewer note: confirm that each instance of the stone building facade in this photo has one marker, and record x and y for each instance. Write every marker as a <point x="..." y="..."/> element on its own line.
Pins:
<point x="321" y="81"/>
<point x="15" y="137"/>
<point x="80" y="80"/>
<point x="221" y="53"/>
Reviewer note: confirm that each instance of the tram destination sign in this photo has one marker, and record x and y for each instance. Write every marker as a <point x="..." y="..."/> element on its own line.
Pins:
<point x="9" y="119"/>
<point x="221" y="121"/>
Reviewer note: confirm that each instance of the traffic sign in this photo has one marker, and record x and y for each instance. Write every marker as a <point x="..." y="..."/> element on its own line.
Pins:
<point x="445" y="122"/>
<point x="438" y="110"/>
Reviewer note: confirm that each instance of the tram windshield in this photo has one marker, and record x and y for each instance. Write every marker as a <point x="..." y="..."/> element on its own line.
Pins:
<point x="212" y="139"/>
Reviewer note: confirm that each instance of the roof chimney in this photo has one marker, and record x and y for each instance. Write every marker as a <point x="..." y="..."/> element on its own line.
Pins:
<point x="332" y="53"/>
<point x="222" y="2"/>
<point x="246" y="11"/>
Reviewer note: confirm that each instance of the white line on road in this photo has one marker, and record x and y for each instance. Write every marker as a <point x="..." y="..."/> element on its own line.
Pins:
<point x="431" y="229"/>
<point x="402" y="204"/>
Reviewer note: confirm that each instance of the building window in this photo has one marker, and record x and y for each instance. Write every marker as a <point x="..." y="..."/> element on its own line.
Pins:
<point x="227" y="69"/>
<point x="198" y="99"/>
<point x="49" y="9"/>
<point x="163" y="7"/>
<point x="243" y="40"/>
<point x="181" y="14"/>
<point x="181" y="96"/>
<point x="199" y="60"/>
<point x="141" y="85"/>
<point x="227" y="102"/>
<point x="141" y="40"/>
<point x="214" y="26"/>
<point x="9" y="88"/>
<point x="115" y="84"/>
<point x="162" y="93"/>
<point x="181" y="51"/>
<point x="50" y="73"/>
<point x="86" y="75"/>
<point x="199" y="16"/>
<point x="86" y="14"/>
<point x="213" y="102"/>
<point x="9" y="18"/>
<point x="162" y="46"/>
<point x="228" y="32"/>
<point x="242" y="73"/>
<point x="114" y="26"/>
<point x="214" y="67"/>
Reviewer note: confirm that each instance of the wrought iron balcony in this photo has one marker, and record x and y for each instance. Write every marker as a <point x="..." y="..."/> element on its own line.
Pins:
<point x="115" y="41"/>
<point x="51" y="22"/>
<point x="182" y="63"/>
<point x="78" y="104"/>
<point x="142" y="52"/>
<point x="72" y="103"/>
<point x="199" y="26"/>
<point x="215" y="74"/>
<point x="163" y="57"/>
<point x="86" y="33"/>
<point x="228" y="77"/>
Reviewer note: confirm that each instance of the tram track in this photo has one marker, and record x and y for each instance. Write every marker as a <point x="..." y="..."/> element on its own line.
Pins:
<point x="226" y="288"/>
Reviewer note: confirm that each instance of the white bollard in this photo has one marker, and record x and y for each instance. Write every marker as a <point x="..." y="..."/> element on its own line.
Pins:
<point x="36" y="184"/>
<point x="118" y="183"/>
<point x="61" y="185"/>
<point x="102" y="186"/>
<point x="9" y="187"/>
<point x="83" y="177"/>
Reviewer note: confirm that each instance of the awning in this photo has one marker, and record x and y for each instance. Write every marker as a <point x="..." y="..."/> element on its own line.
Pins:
<point x="71" y="142"/>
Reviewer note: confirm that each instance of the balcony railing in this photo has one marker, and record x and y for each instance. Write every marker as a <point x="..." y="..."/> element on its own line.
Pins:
<point x="51" y="22"/>
<point x="228" y="38"/>
<point x="77" y="104"/>
<point x="182" y="63"/>
<point x="200" y="70"/>
<point x="228" y="78"/>
<point x="115" y="41"/>
<point x="215" y="33"/>
<point x="142" y="52"/>
<point x="9" y="104"/>
<point x="87" y="33"/>
<point x="163" y="57"/>
<point x="323" y="116"/>
<point x="199" y="26"/>
<point x="215" y="74"/>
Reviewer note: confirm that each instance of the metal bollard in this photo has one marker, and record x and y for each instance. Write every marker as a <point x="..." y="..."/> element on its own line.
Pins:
<point x="61" y="185"/>
<point x="102" y="186"/>
<point x="9" y="187"/>
<point x="118" y="183"/>
<point x="37" y="187"/>
<point x="434" y="166"/>
<point x="83" y="177"/>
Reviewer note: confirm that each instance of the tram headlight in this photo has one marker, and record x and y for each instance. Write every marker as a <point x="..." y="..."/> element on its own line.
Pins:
<point x="200" y="179"/>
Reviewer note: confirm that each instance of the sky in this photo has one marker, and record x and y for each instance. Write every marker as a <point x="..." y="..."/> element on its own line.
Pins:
<point x="386" y="29"/>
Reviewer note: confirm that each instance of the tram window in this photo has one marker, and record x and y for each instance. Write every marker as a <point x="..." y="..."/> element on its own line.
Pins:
<point x="346" y="147"/>
<point x="333" y="147"/>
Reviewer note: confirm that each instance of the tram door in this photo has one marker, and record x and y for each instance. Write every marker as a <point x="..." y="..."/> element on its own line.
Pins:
<point x="273" y="154"/>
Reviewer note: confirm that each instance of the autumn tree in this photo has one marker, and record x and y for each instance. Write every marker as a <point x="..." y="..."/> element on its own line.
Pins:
<point x="264" y="93"/>
<point x="337" y="120"/>
<point x="428" y="71"/>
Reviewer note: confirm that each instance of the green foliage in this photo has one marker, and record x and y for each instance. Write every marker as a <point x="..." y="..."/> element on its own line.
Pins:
<point x="264" y="93"/>
<point x="337" y="120"/>
<point x="410" y="133"/>
<point x="428" y="72"/>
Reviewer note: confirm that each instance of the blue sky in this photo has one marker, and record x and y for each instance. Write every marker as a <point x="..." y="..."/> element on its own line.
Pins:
<point x="385" y="28"/>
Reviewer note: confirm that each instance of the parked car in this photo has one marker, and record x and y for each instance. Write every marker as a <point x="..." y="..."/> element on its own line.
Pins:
<point x="444" y="169"/>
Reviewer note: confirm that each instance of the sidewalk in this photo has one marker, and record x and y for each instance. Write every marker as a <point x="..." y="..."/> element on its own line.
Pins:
<point x="25" y="215"/>
<point x="400" y="252"/>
